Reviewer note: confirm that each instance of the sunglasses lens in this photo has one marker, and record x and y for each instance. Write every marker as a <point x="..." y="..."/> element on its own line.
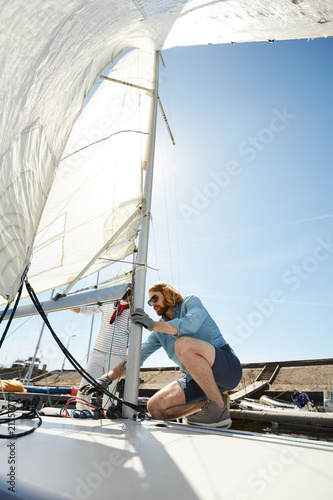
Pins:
<point x="152" y="300"/>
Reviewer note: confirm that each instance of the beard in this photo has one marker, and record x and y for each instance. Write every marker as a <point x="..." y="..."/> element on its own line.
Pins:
<point x="160" y="310"/>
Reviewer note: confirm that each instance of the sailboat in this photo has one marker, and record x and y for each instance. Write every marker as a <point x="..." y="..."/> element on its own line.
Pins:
<point x="53" y="52"/>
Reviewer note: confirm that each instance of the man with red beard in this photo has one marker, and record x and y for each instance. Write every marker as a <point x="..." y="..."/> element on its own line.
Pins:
<point x="194" y="342"/>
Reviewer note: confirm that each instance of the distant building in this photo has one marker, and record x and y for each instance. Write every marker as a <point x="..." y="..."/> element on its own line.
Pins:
<point x="29" y="361"/>
<point x="19" y="363"/>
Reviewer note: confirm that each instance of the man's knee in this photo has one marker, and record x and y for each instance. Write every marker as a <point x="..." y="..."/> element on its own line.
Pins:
<point x="183" y="346"/>
<point x="150" y="407"/>
<point x="155" y="409"/>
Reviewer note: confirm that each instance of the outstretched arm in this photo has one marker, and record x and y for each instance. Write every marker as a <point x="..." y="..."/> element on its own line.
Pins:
<point x="118" y="371"/>
<point x="106" y="379"/>
<point x="142" y="318"/>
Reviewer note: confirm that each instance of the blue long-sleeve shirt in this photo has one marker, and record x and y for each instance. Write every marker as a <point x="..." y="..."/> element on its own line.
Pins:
<point x="191" y="319"/>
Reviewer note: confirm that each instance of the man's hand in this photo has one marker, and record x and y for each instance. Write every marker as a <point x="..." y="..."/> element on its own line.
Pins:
<point x="104" y="381"/>
<point x="141" y="318"/>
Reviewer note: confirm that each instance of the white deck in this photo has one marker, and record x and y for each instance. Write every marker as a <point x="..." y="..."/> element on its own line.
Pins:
<point x="91" y="459"/>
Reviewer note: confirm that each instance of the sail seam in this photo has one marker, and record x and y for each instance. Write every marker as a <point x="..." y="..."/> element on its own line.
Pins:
<point x="105" y="139"/>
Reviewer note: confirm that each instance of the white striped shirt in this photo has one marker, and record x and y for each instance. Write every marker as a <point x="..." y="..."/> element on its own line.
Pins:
<point x="115" y="335"/>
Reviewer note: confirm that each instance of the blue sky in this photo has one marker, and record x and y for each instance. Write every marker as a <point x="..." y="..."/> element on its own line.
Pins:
<point x="242" y="206"/>
<point x="252" y="123"/>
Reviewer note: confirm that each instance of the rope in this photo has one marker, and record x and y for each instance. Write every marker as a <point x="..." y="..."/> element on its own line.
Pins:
<point x="29" y="415"/>
<point x="67" y="413"/>
<point x="73" y="361"/>
<point x="11" y="315"/>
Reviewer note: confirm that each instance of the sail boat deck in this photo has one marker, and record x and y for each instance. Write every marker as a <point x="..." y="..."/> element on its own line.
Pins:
<point x="152" y="459"/>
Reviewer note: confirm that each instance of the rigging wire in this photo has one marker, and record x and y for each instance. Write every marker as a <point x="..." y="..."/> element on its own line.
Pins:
<point x="24" y="322"/>
<point x="166" y="208"/>
<point x="174" y="190"/>
<point x="11" y="315"/>
<point x="155" y="251"/>
<point x="177" y="214"/>
<point x="127" y="262"/>
<point x="164" y="84"/>
<point x="175" y="268"/>
<point x="103" y="284"/>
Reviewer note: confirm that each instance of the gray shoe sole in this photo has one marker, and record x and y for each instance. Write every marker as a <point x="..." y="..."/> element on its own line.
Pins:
<point x="224" y="423"/>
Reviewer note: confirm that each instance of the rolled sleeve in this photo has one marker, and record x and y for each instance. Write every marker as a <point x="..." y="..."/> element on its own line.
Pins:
<point x="195" y="315"/>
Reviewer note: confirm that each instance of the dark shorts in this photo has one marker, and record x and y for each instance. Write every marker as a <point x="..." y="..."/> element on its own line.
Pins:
<point x="227" y="372"/>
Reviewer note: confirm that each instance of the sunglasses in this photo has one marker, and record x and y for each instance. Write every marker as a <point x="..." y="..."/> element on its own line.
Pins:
<point x="152" y="300"/>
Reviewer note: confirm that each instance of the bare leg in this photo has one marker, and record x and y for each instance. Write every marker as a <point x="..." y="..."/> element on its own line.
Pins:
<point x="169" y="403"/>
<point x="198" y="357"/>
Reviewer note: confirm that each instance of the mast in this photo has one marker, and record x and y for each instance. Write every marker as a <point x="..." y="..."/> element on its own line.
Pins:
<point x="134" y="348"/>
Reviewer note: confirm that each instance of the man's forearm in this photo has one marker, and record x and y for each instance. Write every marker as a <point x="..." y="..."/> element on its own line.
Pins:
<point x="165" y="327"/>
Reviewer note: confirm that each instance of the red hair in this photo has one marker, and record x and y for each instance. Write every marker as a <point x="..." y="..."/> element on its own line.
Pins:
<point x="171" y="295"/>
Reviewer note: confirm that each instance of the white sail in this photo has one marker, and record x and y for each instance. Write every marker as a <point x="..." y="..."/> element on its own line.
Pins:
<point x="52" y="52"/>
<point x="98" y="185"/>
